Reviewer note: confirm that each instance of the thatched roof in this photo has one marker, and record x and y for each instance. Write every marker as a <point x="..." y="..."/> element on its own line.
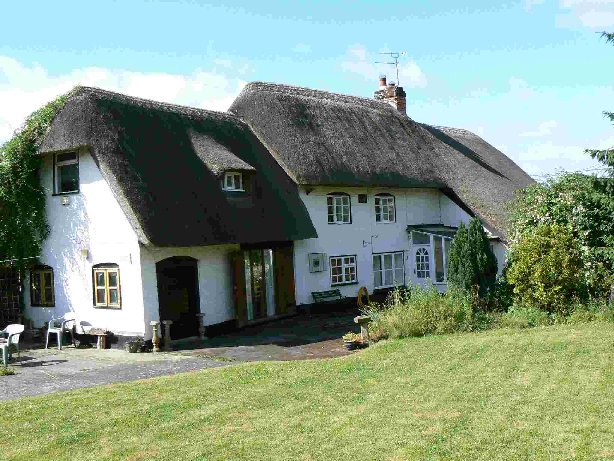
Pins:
<point x="217" y="157"/>
<point x="323" y="138"/>
<point x="161" y="162"/>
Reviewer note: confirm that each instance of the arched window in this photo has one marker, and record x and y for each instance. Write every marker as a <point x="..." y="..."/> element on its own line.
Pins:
<point x="42" y="293"/>
<point x="107" y="292"/>
<point x="384" y="208"/>
<point x="423" y="269"/>
<point x="339" y="208"/>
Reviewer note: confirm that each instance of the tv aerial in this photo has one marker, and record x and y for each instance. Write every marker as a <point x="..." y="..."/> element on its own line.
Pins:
<point x="393" y="55"/>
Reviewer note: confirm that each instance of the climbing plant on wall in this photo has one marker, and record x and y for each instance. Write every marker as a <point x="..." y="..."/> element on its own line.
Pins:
<point x="23" y="224"/>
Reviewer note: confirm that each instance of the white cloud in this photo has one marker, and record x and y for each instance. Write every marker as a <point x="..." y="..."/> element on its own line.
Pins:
<point x="301" y="48"/>
<point x="594" y="14"/>
<point x="359" y="61"/>
<point x="543" y="129"/>
<point x="529" y="4"/>
<point x="25" y="88"/>
<point x="549" y="151"/>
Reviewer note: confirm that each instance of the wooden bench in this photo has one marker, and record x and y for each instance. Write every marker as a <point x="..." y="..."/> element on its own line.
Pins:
<point x="329" y="296"/>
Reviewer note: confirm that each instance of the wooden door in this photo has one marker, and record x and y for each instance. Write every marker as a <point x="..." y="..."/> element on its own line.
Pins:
<point x="240" y="295"/>
<point x="283" y="264"/>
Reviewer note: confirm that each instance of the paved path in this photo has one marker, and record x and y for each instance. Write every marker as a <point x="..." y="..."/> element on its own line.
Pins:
<point x="41" y="371"/>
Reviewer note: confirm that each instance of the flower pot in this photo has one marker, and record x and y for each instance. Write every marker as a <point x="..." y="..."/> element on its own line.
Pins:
<point x="353" y="345"/>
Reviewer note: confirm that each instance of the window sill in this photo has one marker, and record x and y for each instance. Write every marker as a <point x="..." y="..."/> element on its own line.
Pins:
<point x="338" y="223"/>
<point x="385" y="222"/>
<point x="343" y="284"/>
<point x="42" y="306"/>
<point x="59" y="194"/>
<point x="112" y="308"/>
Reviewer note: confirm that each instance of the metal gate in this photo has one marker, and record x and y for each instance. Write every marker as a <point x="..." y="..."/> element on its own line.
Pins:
<point x="10" y="295"/>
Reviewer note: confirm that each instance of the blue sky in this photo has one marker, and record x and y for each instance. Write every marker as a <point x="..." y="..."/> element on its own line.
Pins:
<point x="532" y="77"/>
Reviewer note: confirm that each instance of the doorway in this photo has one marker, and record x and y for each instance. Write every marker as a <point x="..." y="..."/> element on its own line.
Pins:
<point x="178" y="296"/>
<point x="264" y="282"/>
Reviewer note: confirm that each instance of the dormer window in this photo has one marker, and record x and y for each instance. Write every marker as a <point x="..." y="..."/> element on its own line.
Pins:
<point x="66" y="173"/>
<point x="233" y="181"/>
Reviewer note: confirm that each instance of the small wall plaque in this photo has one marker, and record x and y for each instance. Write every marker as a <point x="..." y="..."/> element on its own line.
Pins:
<point x="316" y="262"/>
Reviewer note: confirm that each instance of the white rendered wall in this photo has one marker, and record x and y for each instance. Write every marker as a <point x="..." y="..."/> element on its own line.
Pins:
<point x="215" y="280"/>
<point x="413" y="206"/>
<point x="91" y="221"/>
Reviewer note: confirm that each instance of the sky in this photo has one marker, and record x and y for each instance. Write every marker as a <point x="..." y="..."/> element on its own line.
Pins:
<point x="532" y="77"/>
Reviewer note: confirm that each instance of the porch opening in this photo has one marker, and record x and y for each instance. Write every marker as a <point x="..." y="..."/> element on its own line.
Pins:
<point x="178" y="295"/>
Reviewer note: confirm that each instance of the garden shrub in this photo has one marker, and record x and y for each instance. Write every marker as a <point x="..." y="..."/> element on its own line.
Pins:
<point x="583" y="204"/>
<point x="592" y="311"/>
<point x="524" y="316"/>
<point x="546" y="269"/>
<point x="421" y="311"/>
<point x="471" y="262"/>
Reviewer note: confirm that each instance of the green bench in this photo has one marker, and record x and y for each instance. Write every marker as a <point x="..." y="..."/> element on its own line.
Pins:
<point x="329" y="296"/>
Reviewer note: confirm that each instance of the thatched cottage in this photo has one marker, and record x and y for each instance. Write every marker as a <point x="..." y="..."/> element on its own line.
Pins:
<point x="162" y="212"/>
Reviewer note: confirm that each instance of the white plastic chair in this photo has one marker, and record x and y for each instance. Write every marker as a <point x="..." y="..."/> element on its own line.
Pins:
<point x="12" y="332"/>
<point x="57" y="326"/>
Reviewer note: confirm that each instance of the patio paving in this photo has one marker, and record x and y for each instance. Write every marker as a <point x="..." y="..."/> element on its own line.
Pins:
<point x="41" y="371"/>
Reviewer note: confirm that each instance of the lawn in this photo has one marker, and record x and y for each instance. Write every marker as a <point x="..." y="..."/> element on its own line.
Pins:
<point x="544" y="393"/>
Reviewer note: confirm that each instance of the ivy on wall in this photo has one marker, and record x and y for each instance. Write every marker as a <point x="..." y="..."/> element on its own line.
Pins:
<point x="23" y="223"/>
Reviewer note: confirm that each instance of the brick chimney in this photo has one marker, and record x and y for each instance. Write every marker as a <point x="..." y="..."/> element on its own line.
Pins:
<point x="392" y="94"/>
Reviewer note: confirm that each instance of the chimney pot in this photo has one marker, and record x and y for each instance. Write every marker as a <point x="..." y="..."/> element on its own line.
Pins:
<point x="382" y="80"/>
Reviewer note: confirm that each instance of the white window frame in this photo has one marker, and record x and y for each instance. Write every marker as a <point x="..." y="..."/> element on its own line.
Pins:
<point x="233" y="181"/>
<point x="382" y="270"/>
<point x="423" y="267"/>
<point x="58" y="165"/>
<point x="344" y="262"/>
<point x="338" y="203"/>
<point x="431" y="254"/>
<point x="385" y="202"/>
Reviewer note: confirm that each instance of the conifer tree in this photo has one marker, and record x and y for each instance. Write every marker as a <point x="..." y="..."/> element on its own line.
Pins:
<point x="471" y="261"/>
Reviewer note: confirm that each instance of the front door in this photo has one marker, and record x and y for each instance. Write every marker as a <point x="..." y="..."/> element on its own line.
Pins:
<point x="178" y="296"/>
<point x="422" y="264"/>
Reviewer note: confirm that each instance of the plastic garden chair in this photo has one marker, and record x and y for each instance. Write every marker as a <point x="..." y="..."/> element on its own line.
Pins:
<point x="57" y="326"/>
<point x="11" y="333"/>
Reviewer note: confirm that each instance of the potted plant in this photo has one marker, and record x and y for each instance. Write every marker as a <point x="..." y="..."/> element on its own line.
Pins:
<point x="134" y="346"/>
<point x="352" y="341"/>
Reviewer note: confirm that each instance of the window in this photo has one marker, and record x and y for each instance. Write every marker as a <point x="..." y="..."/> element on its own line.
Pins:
<point x="106" y="285"/>
<point x="41" y="287"/>
<point x="338" y="209"/>
<point x="423" y="268"/>
<point x="432" y="253"/>
<point x="342" y="270"/>
<point x="384" y="208"/>
<point x="66" y="173"/>
<point x="233" y="181"/>
<point x="388" y="270"/>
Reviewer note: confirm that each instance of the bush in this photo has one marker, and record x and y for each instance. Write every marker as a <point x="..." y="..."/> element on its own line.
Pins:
<point x="593" y="311"/>
<point x="471" y="262"/>
<point x="524" y="316"/>
<point x="419" y="311"/>
<point x="546" y="269"/>
<point x="584" y="205"/>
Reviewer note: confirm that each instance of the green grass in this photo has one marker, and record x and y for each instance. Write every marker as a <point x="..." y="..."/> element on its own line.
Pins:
<point x="543" y="393"/>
